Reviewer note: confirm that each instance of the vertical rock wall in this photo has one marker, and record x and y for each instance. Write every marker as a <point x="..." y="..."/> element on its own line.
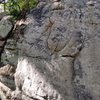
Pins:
<point x="62" y="41"/>
<point x="58" y="51"/>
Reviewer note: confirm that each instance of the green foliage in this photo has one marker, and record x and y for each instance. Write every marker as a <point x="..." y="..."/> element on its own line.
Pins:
<point x="15" y="7"/>
<point x="27" y="3"/>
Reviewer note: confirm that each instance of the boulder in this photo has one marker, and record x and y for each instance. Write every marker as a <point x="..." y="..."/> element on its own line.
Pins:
<point x="10" y="52"/>
<point x="5" y="26"/>
<point x="8" y="44"/>
<point x="58" y="52"/>
<point x="41" y="79"/>
<point x="7" y="76"/>
<point x="7" y="83"/>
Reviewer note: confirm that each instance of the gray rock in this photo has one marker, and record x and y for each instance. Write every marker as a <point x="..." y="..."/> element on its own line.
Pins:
<point x="59" y="52"/>
<point x="10" y="52"/>
<point x="5" y="26"/>
<point x="44" y="80"/>
<point x="7" y="76"/>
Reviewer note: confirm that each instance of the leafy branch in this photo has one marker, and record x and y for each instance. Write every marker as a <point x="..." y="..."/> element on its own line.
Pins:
<point x="15" y="7"/>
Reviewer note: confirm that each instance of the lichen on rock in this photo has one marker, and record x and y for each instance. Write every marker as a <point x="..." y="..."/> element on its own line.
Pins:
<point x="57" y="47"/>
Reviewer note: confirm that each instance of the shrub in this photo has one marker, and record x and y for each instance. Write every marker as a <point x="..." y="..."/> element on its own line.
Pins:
<point x="15" y="7"/>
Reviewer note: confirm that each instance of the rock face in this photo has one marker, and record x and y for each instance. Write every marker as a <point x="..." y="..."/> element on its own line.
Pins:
<point x="44" y="82"/>
<point x="8" y="47"/>
<point x="7" y="56"/>
<point x="60" y="52"/>
<point x="58" y="47"/>
<point x="7" y="83"/>
<point x="6" y="73"/>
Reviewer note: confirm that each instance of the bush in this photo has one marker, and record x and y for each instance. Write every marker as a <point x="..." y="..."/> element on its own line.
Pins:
<point x="15" y="7"/>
